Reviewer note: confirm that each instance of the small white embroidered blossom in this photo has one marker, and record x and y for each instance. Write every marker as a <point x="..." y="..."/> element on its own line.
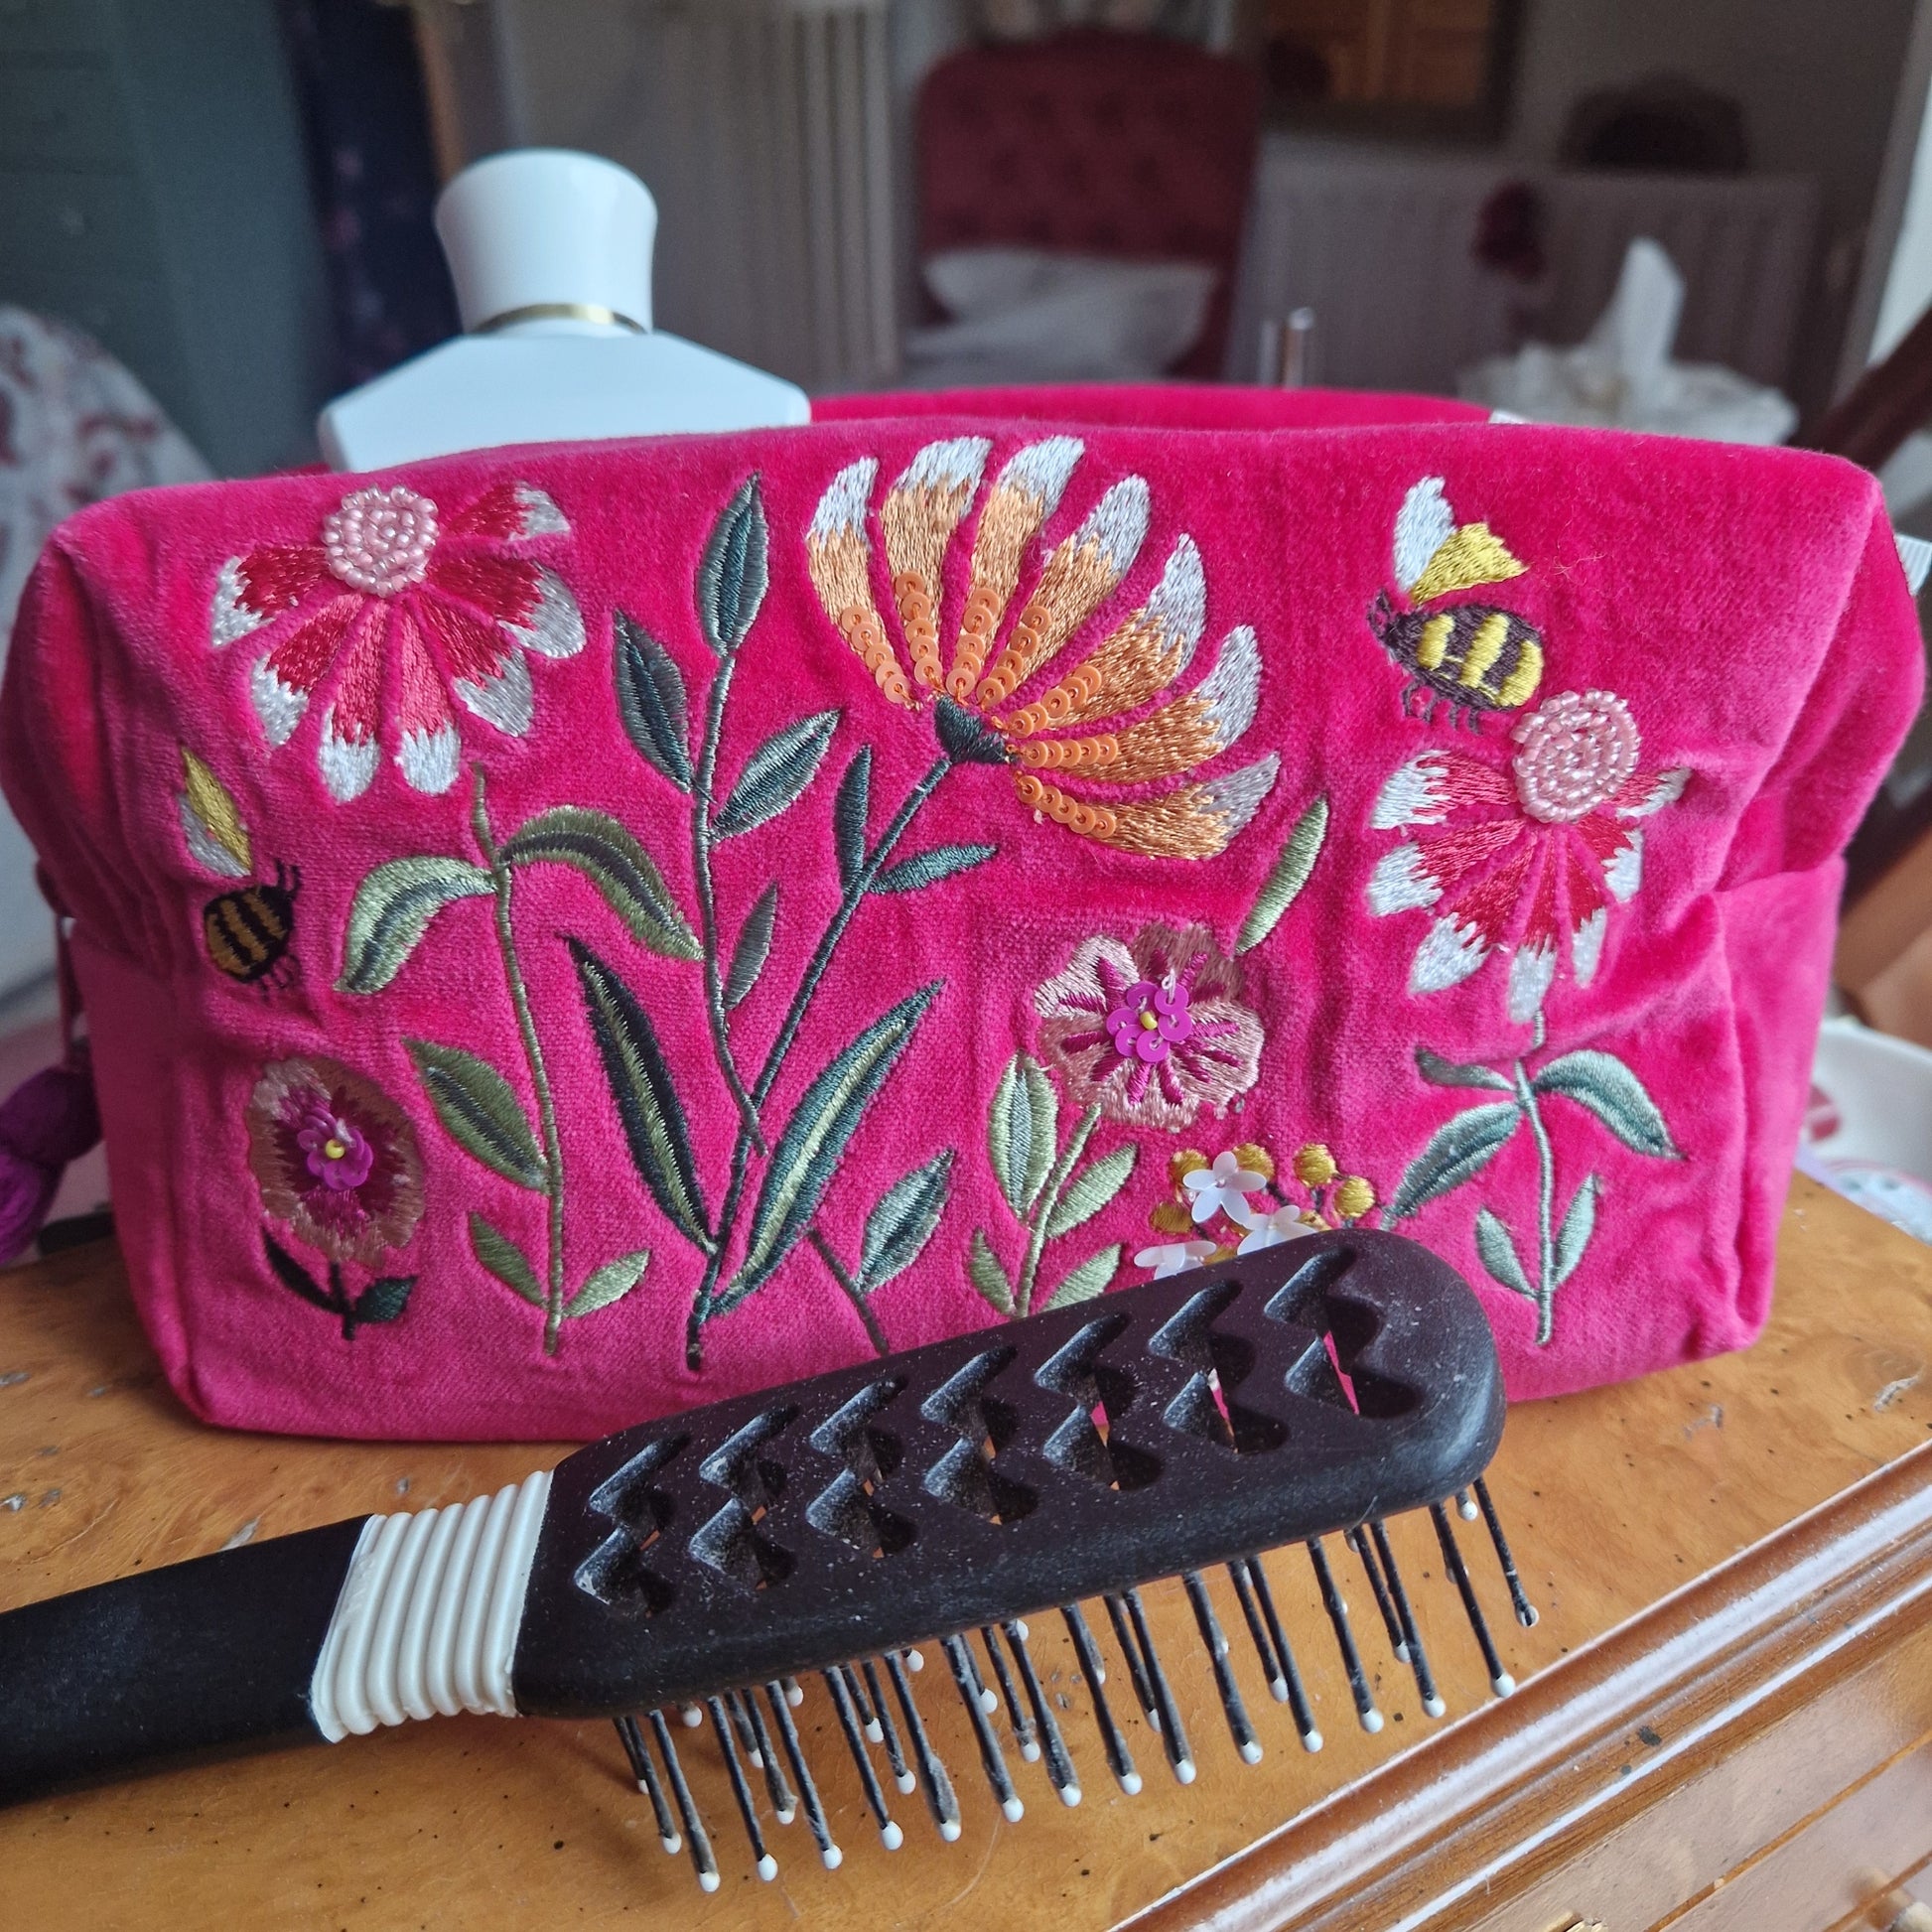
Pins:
<point x="1223" y="1187"/>
<point x="1174" y="1257"/>
<point x="1269" y="1230"/>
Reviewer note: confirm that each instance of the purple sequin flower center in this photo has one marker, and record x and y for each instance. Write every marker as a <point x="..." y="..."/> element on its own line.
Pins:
<point x="336" y="1153"/>
<point x="1150" y="1020"/>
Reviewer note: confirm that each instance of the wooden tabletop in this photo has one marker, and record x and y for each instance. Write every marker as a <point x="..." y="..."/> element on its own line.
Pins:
<point x="1615" y="1500"/>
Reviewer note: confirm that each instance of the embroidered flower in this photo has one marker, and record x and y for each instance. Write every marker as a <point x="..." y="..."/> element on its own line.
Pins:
<point x="1113" y="727"/>
<point x="1524" y="859"/>
<point x="334" y="1159"/>
<point x="396" y="608"/>
<point x="1285" y="1223"/>
<point x="1174" y="1257"/>
<point x="1242" y="1191"/>
<point x="1221" y="1188"/>
<point x="1201" y="1049"/>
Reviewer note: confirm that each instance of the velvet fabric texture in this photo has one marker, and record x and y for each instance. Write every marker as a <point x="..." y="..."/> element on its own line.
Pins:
<point x="574" y="932"/>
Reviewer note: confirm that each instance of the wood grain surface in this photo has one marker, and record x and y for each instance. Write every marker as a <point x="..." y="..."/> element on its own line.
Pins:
<point x="1674" y="1532"/>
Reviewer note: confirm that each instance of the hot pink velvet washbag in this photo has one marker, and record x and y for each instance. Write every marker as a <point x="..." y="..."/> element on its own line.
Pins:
<point x="574" y="932"/>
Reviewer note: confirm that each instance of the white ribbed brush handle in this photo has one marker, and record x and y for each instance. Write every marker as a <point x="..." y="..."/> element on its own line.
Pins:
<point x="428" y="1614"/>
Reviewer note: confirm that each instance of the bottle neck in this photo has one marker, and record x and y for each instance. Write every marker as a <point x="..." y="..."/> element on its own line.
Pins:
<point x="561" y="319"/>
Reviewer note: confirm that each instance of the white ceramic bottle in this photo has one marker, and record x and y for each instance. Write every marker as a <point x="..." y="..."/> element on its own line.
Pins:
<point x="551" y="255"/>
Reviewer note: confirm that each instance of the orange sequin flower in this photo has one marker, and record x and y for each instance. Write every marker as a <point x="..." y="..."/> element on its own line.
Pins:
<point x="1096" y="744"/>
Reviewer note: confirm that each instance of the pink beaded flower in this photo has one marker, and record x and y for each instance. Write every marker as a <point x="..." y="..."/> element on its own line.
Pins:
<point x="1154" y="1031"/>
<point x="334" y="1159"/>
<point x="394" y="611"/>
<point x="1518" y="861"/>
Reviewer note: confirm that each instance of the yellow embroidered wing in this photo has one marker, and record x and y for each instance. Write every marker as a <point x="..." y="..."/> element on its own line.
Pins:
<point x="1435" y="555"/>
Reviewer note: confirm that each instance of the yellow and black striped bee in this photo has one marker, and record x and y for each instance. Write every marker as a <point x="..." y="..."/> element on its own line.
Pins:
<point x="246" y="931"/>
<point x="1473" y="656"/>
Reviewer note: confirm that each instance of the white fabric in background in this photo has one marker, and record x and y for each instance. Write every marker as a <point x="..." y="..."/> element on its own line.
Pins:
<point x="1211" y="21"/>
<point x="1038" y="315"/>
<point x="1621" y="376"/>
<point x="75" y="427"/>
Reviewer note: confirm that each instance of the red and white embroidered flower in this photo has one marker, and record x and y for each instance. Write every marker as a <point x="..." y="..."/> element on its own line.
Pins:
<point x="1524" y="859"/>
<point x="334" y="1159"/>
<point x="1151" y="1033"/>
<point x="396" y="608"/>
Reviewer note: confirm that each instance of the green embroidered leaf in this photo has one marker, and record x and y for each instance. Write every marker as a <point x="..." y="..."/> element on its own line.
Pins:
<point x="814" y="1143"/>
<point x="1604" y="1084"/>
<point x="850" y="811"/>
<point x="651" y="701"/>
<point x="611" y="1283"/>
<point x="505" y="1260"/>
<point x="732" y="575"/>
<point x="1578" y="1224"/>
<point x="480" y="1111"/>
<point x="754" y="947"/>
<point x="983" y="1270"/>
<point x="898" y="1230"/>
<point x="1447" y="1073"/>
<point x="616" y="865"/>
<point x="392" y="909"/>
<point x="383" y="1300"/>
<point x="1461" y="1149"/>
<point x="1021" y="1131"/>
<point x="928" y="867"/>
<point x="1090" y="1190"/>
<point x="1499" y="1254"/>
<point x="775" y="774"/>
<point x="294" y="1277"/>
<point x="646" y="1101"/>
<point x="966" y="738"/>
<point x="1085" y="1281"/>
<point x="1283" y="885"/>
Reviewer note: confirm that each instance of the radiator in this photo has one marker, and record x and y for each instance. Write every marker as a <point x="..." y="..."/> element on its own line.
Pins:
<point x="1377" y="243"/>
<point x="763" y="129"/>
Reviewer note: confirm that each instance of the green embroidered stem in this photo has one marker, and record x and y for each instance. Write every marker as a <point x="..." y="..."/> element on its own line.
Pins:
<point x="853" y="1293"/>
<point x="1546" y="1193"/>
<point x="714" y="986"/>
<point x="1050" y="1199"/>
<point x="854" y="895"/>
<point x="526" y="1026"/>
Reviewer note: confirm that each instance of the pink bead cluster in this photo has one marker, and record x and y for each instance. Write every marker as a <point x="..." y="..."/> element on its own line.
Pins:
<point x="1578" y="751"/>
<point x="379" y="540"/>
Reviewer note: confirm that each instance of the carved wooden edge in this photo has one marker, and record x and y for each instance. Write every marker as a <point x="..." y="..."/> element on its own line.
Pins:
<point x="1446" y="1818"/>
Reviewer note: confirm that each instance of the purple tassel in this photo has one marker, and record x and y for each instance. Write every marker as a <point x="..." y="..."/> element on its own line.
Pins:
<point x="46" y="1121"/>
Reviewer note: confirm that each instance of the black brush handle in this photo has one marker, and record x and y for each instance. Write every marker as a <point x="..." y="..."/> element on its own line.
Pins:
<point x="200" y="1659"/>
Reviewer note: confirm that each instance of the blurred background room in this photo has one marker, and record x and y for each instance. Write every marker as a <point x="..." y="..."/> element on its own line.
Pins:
<point x="1712" y="219"/>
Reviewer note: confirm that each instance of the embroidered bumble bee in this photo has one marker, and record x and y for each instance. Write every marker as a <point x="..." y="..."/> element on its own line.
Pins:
<point x="1475" y="656"/>
<point x="249" y="930"/>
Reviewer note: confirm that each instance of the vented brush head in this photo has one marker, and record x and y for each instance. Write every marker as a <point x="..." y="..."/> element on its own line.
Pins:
<point x="948" y="1493"/>
<point x="1295" y="1392"/>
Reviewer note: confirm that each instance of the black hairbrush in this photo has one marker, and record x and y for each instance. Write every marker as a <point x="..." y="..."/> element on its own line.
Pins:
<point x="706" y="1560"/>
